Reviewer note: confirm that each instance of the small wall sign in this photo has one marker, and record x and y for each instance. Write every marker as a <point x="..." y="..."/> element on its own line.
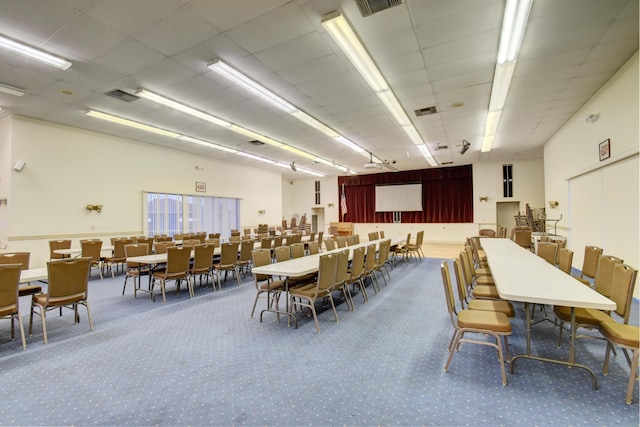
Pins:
<point x="201" y="187"/>
<point x="605" y="149"/>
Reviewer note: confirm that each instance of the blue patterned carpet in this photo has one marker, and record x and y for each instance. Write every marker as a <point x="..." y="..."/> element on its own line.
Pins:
<point x="206" y="362"/>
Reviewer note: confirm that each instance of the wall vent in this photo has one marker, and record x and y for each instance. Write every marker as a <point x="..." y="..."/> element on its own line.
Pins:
<point x="446" y="163"/>
<point x="256" y="142"/>
<point x="369" y="7"/>
<point x="122" y="95"/>
<point x="426" y="111"/>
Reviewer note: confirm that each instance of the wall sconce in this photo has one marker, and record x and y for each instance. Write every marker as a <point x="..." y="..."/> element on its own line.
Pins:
<point x="3" y="202"/>
<point x="553" y="204"/>
<point x="330" y="205"/>
<point x="484" y="198"/>
<point x="261" y="212"/>
<point x="97" y="208"/>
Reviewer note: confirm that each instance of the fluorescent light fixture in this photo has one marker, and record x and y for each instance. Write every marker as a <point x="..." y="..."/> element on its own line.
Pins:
<point x="413" y="134"/>
<point x="427" y="155"/>
<point x="304" y="117"/>
<point x="500" y="88"/>
<point x="15" y="91"/>
<point x="391" y="102"/>
<point x="131" y="123"/>
<point x="151" y="96"/>
<point x="310" y="172"/>
<point x="33" y="53"/>
<point x="207" y="144"/>
<point x="516" y="14"/>
<point x="258" y="158"/>
<point x="342" y="140"/>
<point x="241" y="80"/>
<point x="297" y="151"/>
<point x="346" y="38"/>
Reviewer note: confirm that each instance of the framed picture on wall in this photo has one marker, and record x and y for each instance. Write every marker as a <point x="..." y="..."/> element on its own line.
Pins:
<point x="605" y="149"/>
<point x="201" y="187"/>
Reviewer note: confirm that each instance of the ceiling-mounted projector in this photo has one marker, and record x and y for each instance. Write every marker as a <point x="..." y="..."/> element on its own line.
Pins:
<point x="372" y="164"/>
<point x="465" y="146"/>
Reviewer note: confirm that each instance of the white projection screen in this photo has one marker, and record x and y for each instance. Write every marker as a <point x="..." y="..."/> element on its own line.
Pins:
<point x="399" y="198"/>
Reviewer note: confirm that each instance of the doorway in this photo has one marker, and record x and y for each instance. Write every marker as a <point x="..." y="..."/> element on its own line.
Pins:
<point x="317" y="220"/>
<point x="506" y="212"/>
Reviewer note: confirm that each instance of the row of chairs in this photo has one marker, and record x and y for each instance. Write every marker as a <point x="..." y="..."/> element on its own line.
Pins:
<point x="335" y="274"/>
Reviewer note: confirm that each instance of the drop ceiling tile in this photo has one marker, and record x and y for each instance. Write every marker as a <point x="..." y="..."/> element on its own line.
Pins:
<point x="130" y="17"/>
<point x="129" y="57"/>
<point x="18" y="21"/>
<point x="312" y="70"/>
<point x="162" y="74"/>
<point x="293" y="52"/>
<point x="236" y="12"/>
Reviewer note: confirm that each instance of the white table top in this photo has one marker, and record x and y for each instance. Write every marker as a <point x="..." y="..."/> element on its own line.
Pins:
<point x="306" y="264"/>
<point x="77" y="251"/>
<point x="33" y="274"/>
<point x="521" y="275"/>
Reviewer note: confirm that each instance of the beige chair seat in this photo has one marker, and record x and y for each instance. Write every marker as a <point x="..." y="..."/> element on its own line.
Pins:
<point x="584" y="316"/>
<point x="500" y="306"/>
<point x="485" y="280"/>
<point x="494" y="321"/>
<point x="25" y="290"/>
<point x="485" y="291"/>
<point x="626" y="335"/>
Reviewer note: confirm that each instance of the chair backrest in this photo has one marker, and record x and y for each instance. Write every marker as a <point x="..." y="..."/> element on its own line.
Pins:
<point x="312" y="237"/>
<point x="408" y="242"/>
<point x="357" y="263"/>
<point x="297" y="250"/>
<point x="161" y="247"/>
<point x="179" y="236"/>
<point x="460" y="282"/>
<point x="58" y="244"/>
<point x="235" y="232"/>
<point x="313" y="248"/>
<point x="565" y="259"/>
<point x="370" y="261"/>
<point x="21" y="258"/>
<point x="487" y="232"/>
<point x="329" y="243"/>
<point x="283" y="253"/>
<point x="604" y="275"/>
<point x="162" y="239"/>
<point x="622" y="285"/>
<point x="382" y="234"/>
<point x="467" y="268"/>
<point x="523" y="238"/>
<point x="320" y="236"/>
<point x="118" y="247"/>
<point x="178" y="259"/>
<point x="277" y="241"/>
<point x="212" y="241"/>
<point x="448" y="290"/>
<point x="9" y="283"/>
<point x="214" y="235"/>
<point x="590" y="263"/>
<point x="91" y="249"/>
<point x="356" y="239"/>
<point x="341" y="242"/>
<point x="351" y="240"/>
<point x="135" y="249"/>
<point x="383" y="253"/>
<point x="342" y="267"/>
<point x="146" y="240"/>
<point x="203" y="256"/>
<point x="229" y="253"/>
<point x="190" y="242"/>
<point x="68" y="279"/>
<point x="260" y="257"/>
<point x="246" y="246"/>
<point x="420" y="238"/>
<point x="265" y="243"/>
<point x="548" y="251"/>
<point x="328" y="266"/>
<point x="374" y="235"/>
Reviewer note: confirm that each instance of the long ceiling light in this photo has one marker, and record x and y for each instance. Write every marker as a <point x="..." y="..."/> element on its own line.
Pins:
<point x="167" y="102"/>
<point x="514" y="23"/>
<point x="153" y="129"/>
<point x="242" y="80"/>
<point x="33" y="53"/>
<point x="15" y="91"/>
<point x="348" y="41"/>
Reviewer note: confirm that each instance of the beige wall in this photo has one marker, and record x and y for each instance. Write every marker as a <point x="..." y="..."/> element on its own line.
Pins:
<point x="68" y="168"/>
<point x="599" y="198"/>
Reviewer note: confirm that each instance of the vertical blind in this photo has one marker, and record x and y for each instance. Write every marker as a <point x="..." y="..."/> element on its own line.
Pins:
<point x="176" y="213"/>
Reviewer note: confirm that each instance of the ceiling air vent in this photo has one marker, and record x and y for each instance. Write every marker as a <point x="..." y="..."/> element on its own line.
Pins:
<point x="256" y="142"/>
<point x="369" y="7"/>
<point x="122" y="95"/>
<point x="426" y="111"/>
<point x="447" y="163"/>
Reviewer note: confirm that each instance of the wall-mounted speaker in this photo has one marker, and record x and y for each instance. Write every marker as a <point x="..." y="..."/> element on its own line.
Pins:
<point x="18" y="166"/>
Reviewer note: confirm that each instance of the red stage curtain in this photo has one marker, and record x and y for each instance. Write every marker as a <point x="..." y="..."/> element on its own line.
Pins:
<point x="447" y="195"/>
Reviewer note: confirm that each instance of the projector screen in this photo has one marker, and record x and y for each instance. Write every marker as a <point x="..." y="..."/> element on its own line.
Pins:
<point x="399" y="198"/>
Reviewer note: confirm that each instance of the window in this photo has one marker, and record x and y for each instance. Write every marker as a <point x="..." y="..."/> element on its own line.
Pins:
<point x="317" y="193"/>
<point x="507" y="180"/>
<point x="175" y="213"/>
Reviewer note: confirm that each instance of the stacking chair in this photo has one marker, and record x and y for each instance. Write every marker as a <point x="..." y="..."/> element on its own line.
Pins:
<point x="351" y="240"/>
<point x="244" y="260"/>
<point x="21" y="258"/>
<point x="487" y="232"/>
<point x="284" y="253"/>
<point x="342" y="275"/>
<point x="565" y="259"/>
<point x="228" y="262"/>
<point x="381" y="260"/>
<point x="202" y="263"/>
<point x="369" y="267"/>
<point x="480" y="287"/>
<point x="320" y="237"/>
<point x="486" y="323"/>
<point x="214" y="235"/>
<point x="190" y="243"/>
<point x="134" y="269"/>
<point x="297" y="250"/>
<point x="67" y="288"/>
<point x="58" y="244"/>
<point x="266" y="242"/>
<point x="608" y="280"/>
<point x="403" y="249"/>
<point x="590" y="264"/>
<point x="329" y="243"/>
<point x="373" y="235"/>
<point x="382" y="234"/>
<point x="628" y="338"/>
<point x="176" y="269"/>
<point x="265" y="283"/>
<point x="523" y="238"/>
<point x="417" y="246"/>
<point x="9" y="299"/>
<point x="548" y="251"/>
<point x="161" y="247"/>
<point x="91" y="249"/>
<point x="313" y="248"/>
<point x="306" y="296"/>
<point x="341" y="242"/>
<point x="471" y="303"/>
<point x="356" y="272"/>
<point x="119" y="256"/>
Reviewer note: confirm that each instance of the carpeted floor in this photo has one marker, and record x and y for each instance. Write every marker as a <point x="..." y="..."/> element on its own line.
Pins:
<point x="204" y="361"/>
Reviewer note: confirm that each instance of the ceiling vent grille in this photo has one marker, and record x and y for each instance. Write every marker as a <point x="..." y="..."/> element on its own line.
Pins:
<point x="122" y="95"/>
<point x="369" y="7"/>
<point x="256" y="142"/>
<point x="426" y="111"/>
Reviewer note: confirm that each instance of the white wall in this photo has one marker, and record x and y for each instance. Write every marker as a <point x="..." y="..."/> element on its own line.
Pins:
<point x="5" y="178"/>
<point x="600" y="198"/>
<point x="68" y="168"/>
<point x="298" y="197"/>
